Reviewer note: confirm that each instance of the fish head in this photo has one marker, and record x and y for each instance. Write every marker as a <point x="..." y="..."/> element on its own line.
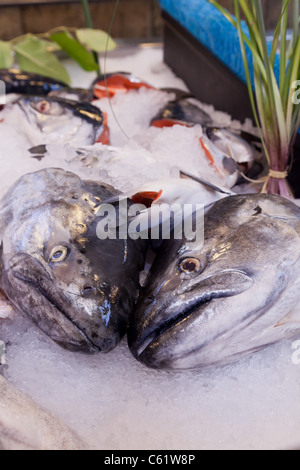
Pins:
<point x="62" y="119"/>
<point x="210" y="303"/>
<point x="78" y="289"/>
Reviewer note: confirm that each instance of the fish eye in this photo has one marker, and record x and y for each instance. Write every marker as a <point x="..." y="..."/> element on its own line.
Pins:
<point x="190" y="265"/>
<point x="58" y="254"/>
<point x="43" y="106"/>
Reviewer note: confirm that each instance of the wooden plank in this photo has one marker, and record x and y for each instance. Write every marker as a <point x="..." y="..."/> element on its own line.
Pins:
<point x="14" y="3"/>
<point x="9" y="3"/>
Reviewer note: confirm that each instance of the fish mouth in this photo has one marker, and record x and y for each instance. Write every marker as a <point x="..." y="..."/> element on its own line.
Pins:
<point x="210" y="289"/>
<point x="86" y="345"/>
<point x="173" y="322"/>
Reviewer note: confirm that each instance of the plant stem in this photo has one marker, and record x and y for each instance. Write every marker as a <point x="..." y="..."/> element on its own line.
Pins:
<point x="87" y="13"/>
<point x="89" y="23"/>
<point x="296" y="21"/>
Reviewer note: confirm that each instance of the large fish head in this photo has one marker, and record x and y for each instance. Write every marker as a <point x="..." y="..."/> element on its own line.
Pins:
<point x="208" y="304"/>
<point x="62" y="119"/>
<point x="78" y="289"/>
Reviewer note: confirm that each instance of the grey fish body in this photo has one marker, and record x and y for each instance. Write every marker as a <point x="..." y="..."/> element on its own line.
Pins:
<point x="209" y="305"/>
<point x="78" y="289"/>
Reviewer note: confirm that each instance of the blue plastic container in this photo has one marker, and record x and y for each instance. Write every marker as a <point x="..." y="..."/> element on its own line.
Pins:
<point x="209" y="26"/>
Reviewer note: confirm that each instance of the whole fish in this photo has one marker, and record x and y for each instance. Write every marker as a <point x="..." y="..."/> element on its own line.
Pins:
<point x="77" y="288"/>
<point x="209" y="304"/>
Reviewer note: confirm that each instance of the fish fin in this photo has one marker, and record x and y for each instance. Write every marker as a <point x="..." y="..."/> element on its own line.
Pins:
<point x="293" y="317"/>
<point x="146" y="197"/>
<point x="104" y="138"/>
<point x="205" y="183"/>
<point x="208" y="154"/>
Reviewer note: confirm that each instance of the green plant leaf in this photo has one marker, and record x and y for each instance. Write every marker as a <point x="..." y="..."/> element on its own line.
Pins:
<point x="75" y="50"/>
<point x="6" y="58"/>
<point x="50" y="46"/>
<point x="257" y="77"/>
<point x="283" y="50"/>
<point x="96" y="39"/>
<point x="278" y="32"/>
<point x="33" y="56"/>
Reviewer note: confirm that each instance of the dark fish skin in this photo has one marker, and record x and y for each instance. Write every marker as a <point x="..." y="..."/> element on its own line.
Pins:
<point x="84" y="110"/>
<point x="54" y="115"/>
<point x="75" y="94"/>
<point x="78" y="289"/>
<point x="182" y="111"/>
<point x="210" y="305"/>
<point x="26" y="83"/>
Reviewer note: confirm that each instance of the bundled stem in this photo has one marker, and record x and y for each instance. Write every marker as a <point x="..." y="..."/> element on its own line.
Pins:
<point x="276" y="112"/>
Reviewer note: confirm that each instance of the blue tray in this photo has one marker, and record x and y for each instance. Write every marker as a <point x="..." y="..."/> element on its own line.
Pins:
<point x="214" y="31"/>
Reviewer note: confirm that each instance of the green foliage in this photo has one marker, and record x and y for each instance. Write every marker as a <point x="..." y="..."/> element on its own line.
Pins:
<point x="6" y="59"/>
<point x="96" y="40"/>
<point x="75" y="50"/>
<point x="32" y="56"/>
<point x="37" y="53"/>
